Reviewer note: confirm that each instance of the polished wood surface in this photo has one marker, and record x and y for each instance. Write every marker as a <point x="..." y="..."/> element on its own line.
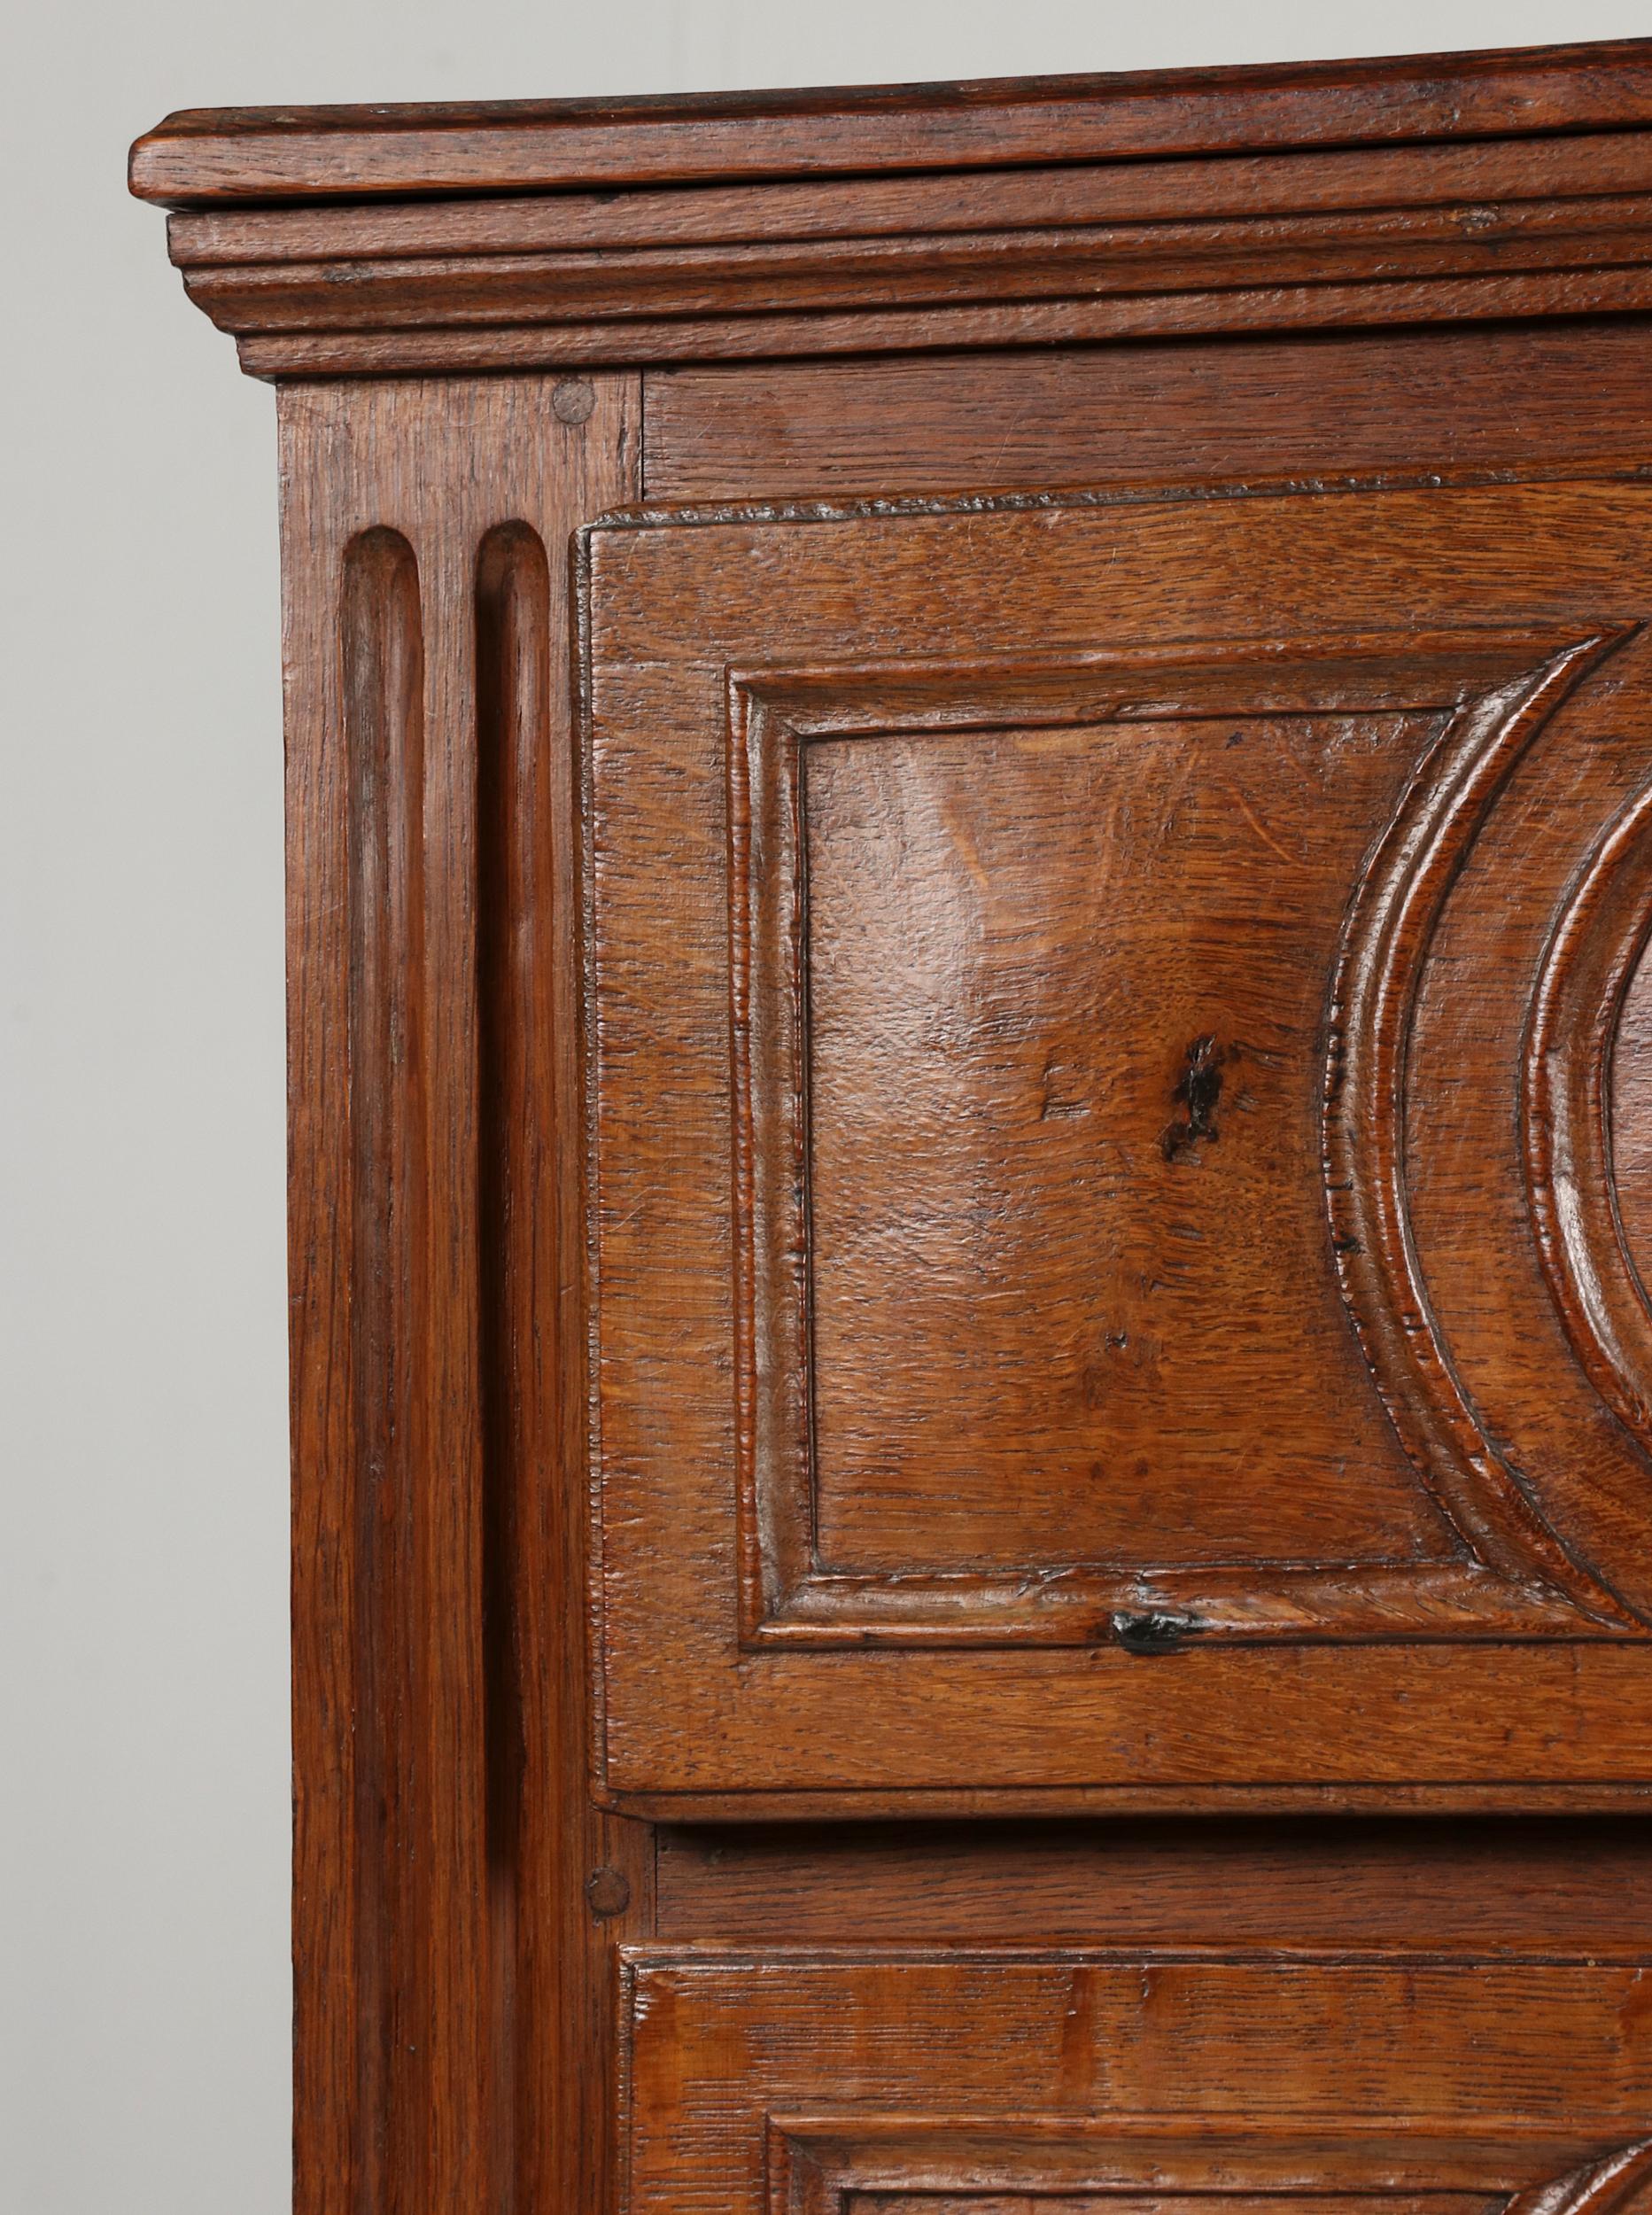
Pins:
<point x="970" y="867"/>
<point x="1025" y="2073"/>
<point x="444" y="1932"/>
<point x="207" y="155"/>
<point x="1113" y="1265"/>
<point x="1065" y="1249"/>
<point x="1320" y="238"/>
<point x="1533" y="397"/>
<point x="982" y="215"/>
<point x="1481" y="1887"/>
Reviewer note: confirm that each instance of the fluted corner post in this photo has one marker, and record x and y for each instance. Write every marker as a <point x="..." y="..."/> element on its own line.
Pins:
<point x="452" y="1981"/>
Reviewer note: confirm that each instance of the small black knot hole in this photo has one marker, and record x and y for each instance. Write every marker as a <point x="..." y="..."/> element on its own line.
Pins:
<point x="1198" y="1094"/>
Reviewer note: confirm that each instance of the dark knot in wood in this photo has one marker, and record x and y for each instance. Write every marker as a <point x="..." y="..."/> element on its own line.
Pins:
<point x="1197" y="1093"/>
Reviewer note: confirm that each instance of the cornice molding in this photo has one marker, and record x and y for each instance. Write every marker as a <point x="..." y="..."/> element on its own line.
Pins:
<point x="1522" y="187"/>
<point x="209" y="155"/>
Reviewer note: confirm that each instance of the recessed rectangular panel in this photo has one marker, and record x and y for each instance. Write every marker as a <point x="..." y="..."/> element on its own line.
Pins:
<point x="1072" y="1295"/>
<point x="1106" y="1274"/>
<point x="791" y="2083"/>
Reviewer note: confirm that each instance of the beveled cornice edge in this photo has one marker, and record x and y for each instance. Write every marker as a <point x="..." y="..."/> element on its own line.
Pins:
<point x="1496" y="210"/>
<point x="212" y="156"/>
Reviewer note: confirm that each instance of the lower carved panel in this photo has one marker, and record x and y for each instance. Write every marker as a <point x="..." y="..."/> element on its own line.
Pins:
<point x="826" y="2082"/>
<point x="1134" y="2166"/>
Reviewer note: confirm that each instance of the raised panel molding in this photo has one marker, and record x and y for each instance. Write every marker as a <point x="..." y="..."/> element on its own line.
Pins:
<point x="1393" y="918"/>
<point x="971" y="1174"/>
<point x="1599" y="941"/>
<point x="1501" y="1566"/>
<point x="1061" y="1310"/>
<point x="799" y="2081"/>
<point x="827" y="2166"/>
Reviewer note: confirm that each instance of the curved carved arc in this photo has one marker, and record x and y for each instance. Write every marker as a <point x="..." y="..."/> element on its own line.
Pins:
<point x="1384" y="949"/>
<point x="1609" y="2187"/>
<point x="1588" y="968"/>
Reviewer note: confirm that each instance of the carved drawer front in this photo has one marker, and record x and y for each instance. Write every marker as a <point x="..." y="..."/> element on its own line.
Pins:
<point x="997" y="2083"/>
<point x="1120" y="1171"/>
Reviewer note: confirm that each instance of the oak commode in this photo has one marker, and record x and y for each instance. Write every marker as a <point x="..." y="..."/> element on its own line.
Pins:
<point x="970" y="827"/>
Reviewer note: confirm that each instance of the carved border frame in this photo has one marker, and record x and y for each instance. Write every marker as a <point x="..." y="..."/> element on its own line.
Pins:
<point x="770" y="2122"/>
<point x="818" y="2164"/>
<point x="1501" y="1571"/>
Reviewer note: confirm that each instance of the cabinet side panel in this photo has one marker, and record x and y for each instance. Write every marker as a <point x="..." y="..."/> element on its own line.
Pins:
<point x="456" y="1894"/>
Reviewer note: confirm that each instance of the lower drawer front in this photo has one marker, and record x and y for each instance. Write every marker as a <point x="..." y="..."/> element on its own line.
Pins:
<point x="788" y="2082"/>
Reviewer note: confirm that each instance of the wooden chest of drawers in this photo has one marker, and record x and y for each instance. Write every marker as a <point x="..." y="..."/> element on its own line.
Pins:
<point x="971" y="859"/>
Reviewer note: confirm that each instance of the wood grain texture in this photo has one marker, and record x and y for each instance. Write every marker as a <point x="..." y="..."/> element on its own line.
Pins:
<point x="1627" y="1087"/>
<point x="973" y="1072"/>
<point x="1462" y="1887"/>
<point x="446" y="1947"/>
<point x="399" y="1866"/>
<point x="1534" y="1480"/>
<point x="1051" y="260"/>
<point x="430" y="346"/>
<point x="918" y="2070"/>
<point x="819" y="2163"/>
<point x="1507" y="398"/>
<point x="237" y="154"/>
<point x="1208" y="227"/>
<point x="1185" y="262"/>
<point x="936" y="1087"/>
<point x="1479" y="173"/>
<point x="1598" y="944"/>
<point x="813" y="2183"/>
<point x="1012" y="1239"/>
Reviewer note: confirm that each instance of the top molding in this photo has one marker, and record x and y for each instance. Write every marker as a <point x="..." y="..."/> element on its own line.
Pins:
<point x="210" y="157"/>
<point x="425" y="241"/>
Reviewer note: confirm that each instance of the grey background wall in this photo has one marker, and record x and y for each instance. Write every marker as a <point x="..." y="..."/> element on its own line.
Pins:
<point x="143" y="1803"/>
